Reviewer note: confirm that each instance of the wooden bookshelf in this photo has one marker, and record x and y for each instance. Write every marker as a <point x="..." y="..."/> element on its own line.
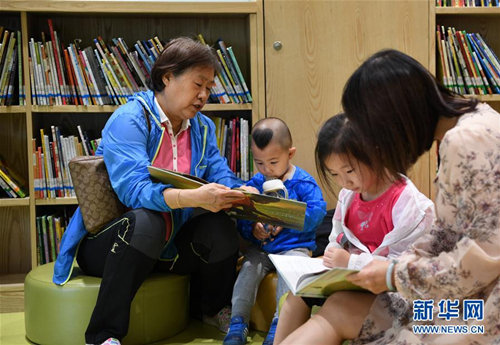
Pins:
<point x="15" y="109"/>
<point x="56" y="201"/>
<point x="13" y="202"/>
<point x="239" y="23"/>
<point x="112" y="108"/>
<point x="471" y="11"/>
<point x="483" y="20"/>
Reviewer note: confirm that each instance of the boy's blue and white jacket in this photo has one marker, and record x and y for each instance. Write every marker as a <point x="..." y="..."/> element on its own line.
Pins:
<point x="301" y="187"/>
<point x="128" y="149"/>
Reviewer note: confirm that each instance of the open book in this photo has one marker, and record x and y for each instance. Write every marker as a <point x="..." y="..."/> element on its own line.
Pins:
<point x="308" y="277"/>
<point x="255" y="207"/>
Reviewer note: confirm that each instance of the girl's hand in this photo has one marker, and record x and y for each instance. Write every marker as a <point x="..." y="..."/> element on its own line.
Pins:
<point x="336" y="257"/>
<point x="249" y="189"/>
<point x="259" y="232"/>
<point x="372" y="276"/>
<point x="212" y="197"/>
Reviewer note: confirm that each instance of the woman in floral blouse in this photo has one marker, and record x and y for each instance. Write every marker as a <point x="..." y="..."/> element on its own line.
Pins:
<point x="450" y="276"/>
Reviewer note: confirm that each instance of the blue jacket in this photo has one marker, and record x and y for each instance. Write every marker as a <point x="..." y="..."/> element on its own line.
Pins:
<point x="301" y="187"/>
<point x="128" y="149"/>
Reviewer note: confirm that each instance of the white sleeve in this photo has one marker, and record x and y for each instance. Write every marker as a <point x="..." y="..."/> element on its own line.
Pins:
<point x="358" y="261"/>
<point x="336" y="225"/>
<point x="423" y="227"/>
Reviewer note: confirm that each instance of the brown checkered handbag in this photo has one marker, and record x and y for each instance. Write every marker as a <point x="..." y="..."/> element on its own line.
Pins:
<point x="98" y="201"/>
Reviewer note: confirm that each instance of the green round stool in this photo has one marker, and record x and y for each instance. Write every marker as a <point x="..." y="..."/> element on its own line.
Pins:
<point x="60" y="314"/>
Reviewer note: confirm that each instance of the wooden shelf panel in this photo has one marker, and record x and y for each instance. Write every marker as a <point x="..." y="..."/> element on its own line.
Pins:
<point x="73" y="109"/>
<point x="12" y="282"/>
<point x="485" y="98"/>
<point x="493" y="11"/>
<point x="116" y="6"/>
<point x="112" y="108"/>
<point x="56" y="201"/>
<point x="12" y="202"/>
<point x="13" y="109"/>
<point x="226" y="107"/>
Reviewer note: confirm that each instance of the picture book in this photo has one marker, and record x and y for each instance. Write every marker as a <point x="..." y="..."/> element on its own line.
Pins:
<point x="255" y="207"/>
<point x="308" y="277"/>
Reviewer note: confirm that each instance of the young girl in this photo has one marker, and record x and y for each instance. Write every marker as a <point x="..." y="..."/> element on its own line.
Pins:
<point x="374" y="218"/>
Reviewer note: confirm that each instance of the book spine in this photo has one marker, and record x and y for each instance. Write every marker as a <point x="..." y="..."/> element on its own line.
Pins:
<point x="34" y="94"/>
<point x="71" y="80"/>
<point x="240" y="75"/>
<point x="34" y="168"/>
<point x="20" y="69"/>
<point x="7" y="189"/>
<point x="11" y="183"/>
<point x="45" y="239"/>
<point x="9" y="93"/>
<point x="92" y="81"/>
<point x="232" y="72"/>
<point x="57" y="62"/>
<point x="51" y="236"/>
<point x="4" y="79"/>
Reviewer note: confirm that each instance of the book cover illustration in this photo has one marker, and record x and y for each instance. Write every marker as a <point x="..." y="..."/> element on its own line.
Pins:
<point x="308" y="277"/>
<point x="255" y="207"/>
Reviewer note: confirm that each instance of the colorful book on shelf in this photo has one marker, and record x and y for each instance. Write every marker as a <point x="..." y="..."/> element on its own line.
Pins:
<point x="255" y="207"/>
<point x="40" y="241"/>
<point x="488" y="62"/>
<point x="232" y="71"/>
<point x="22" y="95"/>
<point x="46" y="240"/>
<point x="308" y="277"/>
<point x="7" y="190"/>
<point x="483" y="66"/>
<point x="12" y="178"/>
<point x="240" y="75"/>
<point x="52" y="238"/>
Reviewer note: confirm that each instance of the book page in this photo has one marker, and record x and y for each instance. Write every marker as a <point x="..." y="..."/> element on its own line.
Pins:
<point x="292" y="268"/>
<point x="176" y="179"/>
<point x="254" y="207"/>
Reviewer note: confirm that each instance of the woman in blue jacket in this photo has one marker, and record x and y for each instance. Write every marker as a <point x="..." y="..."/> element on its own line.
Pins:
<point x="164" y="128"/>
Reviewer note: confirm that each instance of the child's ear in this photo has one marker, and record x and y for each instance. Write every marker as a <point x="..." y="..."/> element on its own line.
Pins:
<point x="291" y="152"/>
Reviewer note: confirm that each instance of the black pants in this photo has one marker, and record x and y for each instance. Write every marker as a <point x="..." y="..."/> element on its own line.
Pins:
<point x="126" y="251"/>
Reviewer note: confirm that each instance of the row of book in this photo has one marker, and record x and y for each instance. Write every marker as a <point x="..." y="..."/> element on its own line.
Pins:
<point x="11" y="67"/>
<point x="50" y="161"/>
<point x="12" y="184"/>
<point x="467" y="3"/>
<point x="110" y="73"/>
<point x="466" y="64"/>
<point x="233" y="142"/>
<point x="230" y="85"/>
<point x="49" y="229"/>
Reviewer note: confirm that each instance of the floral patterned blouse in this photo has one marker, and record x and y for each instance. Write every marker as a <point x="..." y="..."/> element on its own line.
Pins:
<point x="460" y="257"/>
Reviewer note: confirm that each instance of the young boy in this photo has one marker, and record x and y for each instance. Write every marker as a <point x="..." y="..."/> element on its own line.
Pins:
<point x="272" y="151"/>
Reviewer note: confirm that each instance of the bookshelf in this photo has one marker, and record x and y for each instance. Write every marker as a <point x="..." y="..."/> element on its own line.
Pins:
<point x="483" y="20"/>
<point x="239" y="23"/>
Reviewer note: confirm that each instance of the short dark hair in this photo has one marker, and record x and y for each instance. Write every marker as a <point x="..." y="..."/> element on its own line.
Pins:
<point x="265" y="130"/>
<point x="180" y="55"/>
<point x="396" y="103"/>
<point x="338" y="136"/>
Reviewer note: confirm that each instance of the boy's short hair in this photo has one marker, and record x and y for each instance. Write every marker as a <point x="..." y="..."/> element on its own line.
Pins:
<point x="269" y="129"/>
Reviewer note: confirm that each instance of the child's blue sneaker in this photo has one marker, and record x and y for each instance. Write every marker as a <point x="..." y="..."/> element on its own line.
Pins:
<point x="272" y="332"/>
<point x="237" y="333"/>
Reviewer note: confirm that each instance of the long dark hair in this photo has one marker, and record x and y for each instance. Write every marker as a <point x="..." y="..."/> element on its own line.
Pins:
<point x="337" y="136"/>
<point x="180" y="55"/>
<point x="396" y="103"/>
